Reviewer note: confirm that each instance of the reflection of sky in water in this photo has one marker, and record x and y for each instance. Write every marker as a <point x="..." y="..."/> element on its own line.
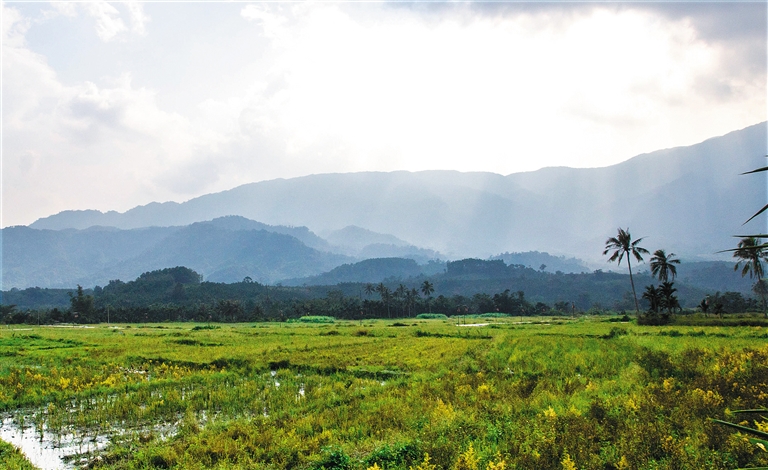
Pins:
<point x="48" y="453"/>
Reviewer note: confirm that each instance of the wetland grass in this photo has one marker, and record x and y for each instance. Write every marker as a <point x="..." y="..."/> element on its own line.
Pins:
<point x="583" y="393"/>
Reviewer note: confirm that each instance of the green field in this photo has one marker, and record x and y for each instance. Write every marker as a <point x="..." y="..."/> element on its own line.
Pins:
<point x="543" y="394"/>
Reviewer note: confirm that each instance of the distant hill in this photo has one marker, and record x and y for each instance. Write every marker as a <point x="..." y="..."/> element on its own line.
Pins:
<point x="367" y="271"/>
<point x="465" y="278"/>
<point x="689" y="200"/>
<point x="223" y="250"/>
<point x="715" y="276"/>
<point x="544" y="262"/>
<point x="357" y="238"/>
<point x="366" y="244"/>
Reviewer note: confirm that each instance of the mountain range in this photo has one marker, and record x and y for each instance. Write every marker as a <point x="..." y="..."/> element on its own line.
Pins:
<point x="688" y="200"/>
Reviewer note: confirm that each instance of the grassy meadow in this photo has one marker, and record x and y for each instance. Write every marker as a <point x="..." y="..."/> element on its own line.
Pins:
<point x="545" y="393"/>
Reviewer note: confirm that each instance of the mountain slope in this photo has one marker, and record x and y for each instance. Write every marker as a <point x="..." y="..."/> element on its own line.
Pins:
<point x="689" y="200"/>
<point x="223" y="250"/>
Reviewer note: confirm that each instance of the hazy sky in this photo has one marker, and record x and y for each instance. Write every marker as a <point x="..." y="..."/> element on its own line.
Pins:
<point x="111" y="105"/>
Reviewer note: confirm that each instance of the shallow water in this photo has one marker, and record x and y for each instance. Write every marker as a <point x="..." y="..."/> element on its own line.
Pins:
<point x="47" y="450"/>
<point x="59" y="451"/>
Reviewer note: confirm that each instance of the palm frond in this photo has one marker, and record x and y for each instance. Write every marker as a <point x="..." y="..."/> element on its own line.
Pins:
<point x="757" y="213"/>
<point x="744" y="429"/>
<point x="765" y="168"/>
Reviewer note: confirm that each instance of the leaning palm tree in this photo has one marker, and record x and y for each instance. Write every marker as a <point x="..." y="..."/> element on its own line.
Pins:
<point x="621" y="245"/>
<point x="752" y="252"/>
<point x="663" y="265"/>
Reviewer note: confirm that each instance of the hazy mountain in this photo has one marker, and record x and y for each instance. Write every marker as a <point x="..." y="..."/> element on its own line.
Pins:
<point x="689" y="200"/>
<point x="366" y="244"/>
<point x="357" y="238"/>
<point x="536" y="259"/>
<point x="303" y="234"/>
<point x="223" y="250"/>
<point x="367" y="271"/>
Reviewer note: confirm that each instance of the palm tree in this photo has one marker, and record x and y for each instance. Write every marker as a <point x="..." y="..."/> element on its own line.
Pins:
<point x="668" y="297"/>
<point x="369" y="289"/>
<point x="621" y="245"/>
<point x="663" y="265"/>
<point x="653" y="296"/>
<point x="385" y="294"/>
<point x="751" y="251"/>
<point x="427" y="288"/>
<point x="400" y="296"/>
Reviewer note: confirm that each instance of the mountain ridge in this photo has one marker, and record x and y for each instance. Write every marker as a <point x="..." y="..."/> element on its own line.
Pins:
<point x="689" y="200"/>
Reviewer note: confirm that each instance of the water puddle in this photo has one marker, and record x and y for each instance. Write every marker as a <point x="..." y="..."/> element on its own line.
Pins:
<point x="66" y="450"/>
<point x="46" y="450"/>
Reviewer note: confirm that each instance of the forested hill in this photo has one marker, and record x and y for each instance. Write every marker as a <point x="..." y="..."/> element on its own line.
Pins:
<point x="463" y="282"/>
<point x="223" y="250"/>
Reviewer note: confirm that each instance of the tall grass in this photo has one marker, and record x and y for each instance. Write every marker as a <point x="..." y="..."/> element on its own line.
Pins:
<point x="579" y="394"/>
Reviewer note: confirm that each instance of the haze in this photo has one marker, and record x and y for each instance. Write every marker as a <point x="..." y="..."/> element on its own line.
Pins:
<point x="111" y="105"/>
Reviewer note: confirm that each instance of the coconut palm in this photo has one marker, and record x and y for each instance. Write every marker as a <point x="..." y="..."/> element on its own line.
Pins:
<point x="663" y="265"/>
<point x="386" y="295"/>
<point x="621" y="245"/>
<point x="427" y="288"/>
<point x="653" y="296"/>
<point x="369" y="289"/>
<point x="668" y="297"/>
<point x="752" y="252"/>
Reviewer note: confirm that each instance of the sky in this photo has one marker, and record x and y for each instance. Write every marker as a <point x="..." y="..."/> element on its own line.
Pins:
<point x="112" y="105"/>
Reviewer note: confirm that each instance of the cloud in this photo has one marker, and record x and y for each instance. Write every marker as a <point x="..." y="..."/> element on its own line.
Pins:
<point x="267" y="16"/>
<point x="138" y="17"/>
<point x="108" y="21"/>
<point x="287" y="90"/>
<point x="65" y="144"/>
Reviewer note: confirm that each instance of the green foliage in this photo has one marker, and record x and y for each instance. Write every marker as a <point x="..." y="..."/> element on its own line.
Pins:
<point x="316" y="319"/>
<point x="435" y="316"/>
<point x="333" y="458"/>
<point x="12" y="459"/>
<point x="584" y="392"/>
<point x="391" y="456"/>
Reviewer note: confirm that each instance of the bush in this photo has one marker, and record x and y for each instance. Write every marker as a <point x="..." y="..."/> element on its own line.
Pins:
<point x="431" y="316"/>
<point x="616" y="331"/>
<point x="333" y="458"/>
<point x="316" y="319"/>
<point x="654" y="319"/>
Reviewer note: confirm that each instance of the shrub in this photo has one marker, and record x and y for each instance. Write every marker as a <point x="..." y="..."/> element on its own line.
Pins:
<point x="393" y="456"/>
<point x="431" y="316"/>
<point x="653" y="319"/>
<point x="616" y="331"/>
<point x="316" y="319"/>
<point x="333" y="458"/>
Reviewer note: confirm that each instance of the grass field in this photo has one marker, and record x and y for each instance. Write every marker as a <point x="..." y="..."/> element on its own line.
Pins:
<point x="542" y="394"/>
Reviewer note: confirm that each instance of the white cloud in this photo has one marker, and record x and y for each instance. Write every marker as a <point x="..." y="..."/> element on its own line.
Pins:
<point x="138" y="17"/>
<point x="349" y="87"/>
<point x="108" y="21"/>
<point x="495" y="93"/>
<point x="267" y="16"/>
